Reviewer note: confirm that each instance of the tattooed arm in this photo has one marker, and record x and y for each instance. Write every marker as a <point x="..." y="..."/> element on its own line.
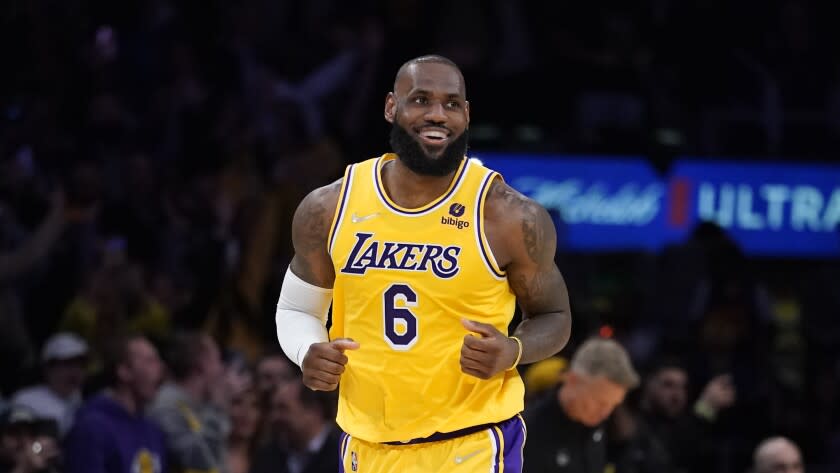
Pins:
<point x="306" y="295"/>
<point x="524" y="241"/>
<point x="310" y="228"/>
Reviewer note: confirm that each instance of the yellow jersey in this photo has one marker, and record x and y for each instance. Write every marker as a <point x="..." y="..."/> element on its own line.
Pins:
<point x="404" y="279"/>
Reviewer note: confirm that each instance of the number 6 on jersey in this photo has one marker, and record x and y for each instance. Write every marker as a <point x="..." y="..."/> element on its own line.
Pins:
<point x="400" y="323"/>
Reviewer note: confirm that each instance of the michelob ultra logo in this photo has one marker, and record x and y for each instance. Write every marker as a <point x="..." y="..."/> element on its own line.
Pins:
<point x="614" y="202"/>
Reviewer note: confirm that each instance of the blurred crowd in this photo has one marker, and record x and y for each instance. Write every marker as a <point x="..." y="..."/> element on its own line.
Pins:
<point x="181" y="408"/>
<point x="152" y="153"/>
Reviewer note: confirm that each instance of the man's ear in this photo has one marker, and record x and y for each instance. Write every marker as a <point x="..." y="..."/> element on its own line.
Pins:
<point x="467" y="112"/>
<point x="390" y="107"/>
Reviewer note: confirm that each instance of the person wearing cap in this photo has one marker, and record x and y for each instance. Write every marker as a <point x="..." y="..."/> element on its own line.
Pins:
<point x="63" y="356"/>
<point x="111" y="433"/>
<point x="565" y="427"/>
<point x="27" y="443"/>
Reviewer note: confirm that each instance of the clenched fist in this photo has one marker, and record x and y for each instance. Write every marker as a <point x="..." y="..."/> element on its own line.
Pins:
<point x="324" y="363"/>
<point x="488" y="354"/>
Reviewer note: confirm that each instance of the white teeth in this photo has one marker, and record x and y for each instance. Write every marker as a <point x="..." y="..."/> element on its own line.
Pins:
<point x="433" y="134"/>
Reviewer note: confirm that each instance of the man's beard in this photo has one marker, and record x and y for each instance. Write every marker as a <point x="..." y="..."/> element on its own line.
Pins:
<point x="413" y="155"/>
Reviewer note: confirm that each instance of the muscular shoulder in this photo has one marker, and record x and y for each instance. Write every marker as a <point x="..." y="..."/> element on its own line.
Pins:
<point x="314" y="216"/>
<point x="519" y="228"/>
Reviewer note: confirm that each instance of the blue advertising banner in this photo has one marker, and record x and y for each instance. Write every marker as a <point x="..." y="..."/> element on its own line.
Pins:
<point x="769" y="209"/>
<point x="598" y="203"/>
<point x="620" y="203"/>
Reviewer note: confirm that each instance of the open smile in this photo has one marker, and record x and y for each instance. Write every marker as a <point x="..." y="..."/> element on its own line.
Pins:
<point x="434" y="136"/>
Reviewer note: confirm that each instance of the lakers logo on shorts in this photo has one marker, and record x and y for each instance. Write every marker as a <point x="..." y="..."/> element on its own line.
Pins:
<point x="145" y="462"/>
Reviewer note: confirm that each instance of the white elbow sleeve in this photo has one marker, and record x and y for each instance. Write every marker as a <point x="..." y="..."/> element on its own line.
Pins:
<point x="301" y="316"/>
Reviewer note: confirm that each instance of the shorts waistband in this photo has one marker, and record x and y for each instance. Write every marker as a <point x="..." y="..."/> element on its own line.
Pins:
<point x="439" y="436"/>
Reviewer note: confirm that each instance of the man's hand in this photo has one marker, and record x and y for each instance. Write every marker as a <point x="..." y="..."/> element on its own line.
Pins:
<point x="719" y="393"/>
<point x="492" y="353"/>
<point x="324" y="362"/>
<point x="231" y="382"/>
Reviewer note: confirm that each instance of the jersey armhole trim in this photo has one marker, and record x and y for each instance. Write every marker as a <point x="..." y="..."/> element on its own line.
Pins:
<point x="481" y="237"/>
<point x="338" y="216"/>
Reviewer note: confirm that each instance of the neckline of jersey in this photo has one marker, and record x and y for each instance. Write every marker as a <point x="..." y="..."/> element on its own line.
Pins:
<point x="386" y="199"/>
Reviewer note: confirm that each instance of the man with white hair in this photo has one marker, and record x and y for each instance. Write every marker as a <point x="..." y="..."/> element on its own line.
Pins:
<point x="565" y="428"/>
<point x="777" y="455"/>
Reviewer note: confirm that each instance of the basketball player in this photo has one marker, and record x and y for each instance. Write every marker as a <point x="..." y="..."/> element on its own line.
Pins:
<point x="423" y="254"/>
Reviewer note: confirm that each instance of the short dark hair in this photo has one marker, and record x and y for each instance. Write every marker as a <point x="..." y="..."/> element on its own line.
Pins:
<point x="116" y="353"/>
<point x="183" y="353"/>
<point x="429" y="59"/>
<point x="664" y="362"/>
<point x="273" y="351"/>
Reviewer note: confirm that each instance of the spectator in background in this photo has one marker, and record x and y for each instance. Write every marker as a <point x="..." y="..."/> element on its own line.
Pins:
<point x="16" y="262"/>
<point x="686" y="434"/>
<point x="631" y="448"/>
<point x="64" y="357"/>
<point x="273" y="369"/>
<point x="245" y="416"/>
<point x="110" y="433"/>
<point x="114" y="299"/>
<point x="567" y="435"/>
<point x="192" y="407"/>
<point x="304" y="433"/>
<point x="777" y="455"/>
<point x="27" y="444"/>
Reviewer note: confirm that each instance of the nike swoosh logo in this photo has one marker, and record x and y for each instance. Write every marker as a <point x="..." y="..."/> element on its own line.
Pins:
<point x="462" y="459"/>
<point x="356" y="219"/>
